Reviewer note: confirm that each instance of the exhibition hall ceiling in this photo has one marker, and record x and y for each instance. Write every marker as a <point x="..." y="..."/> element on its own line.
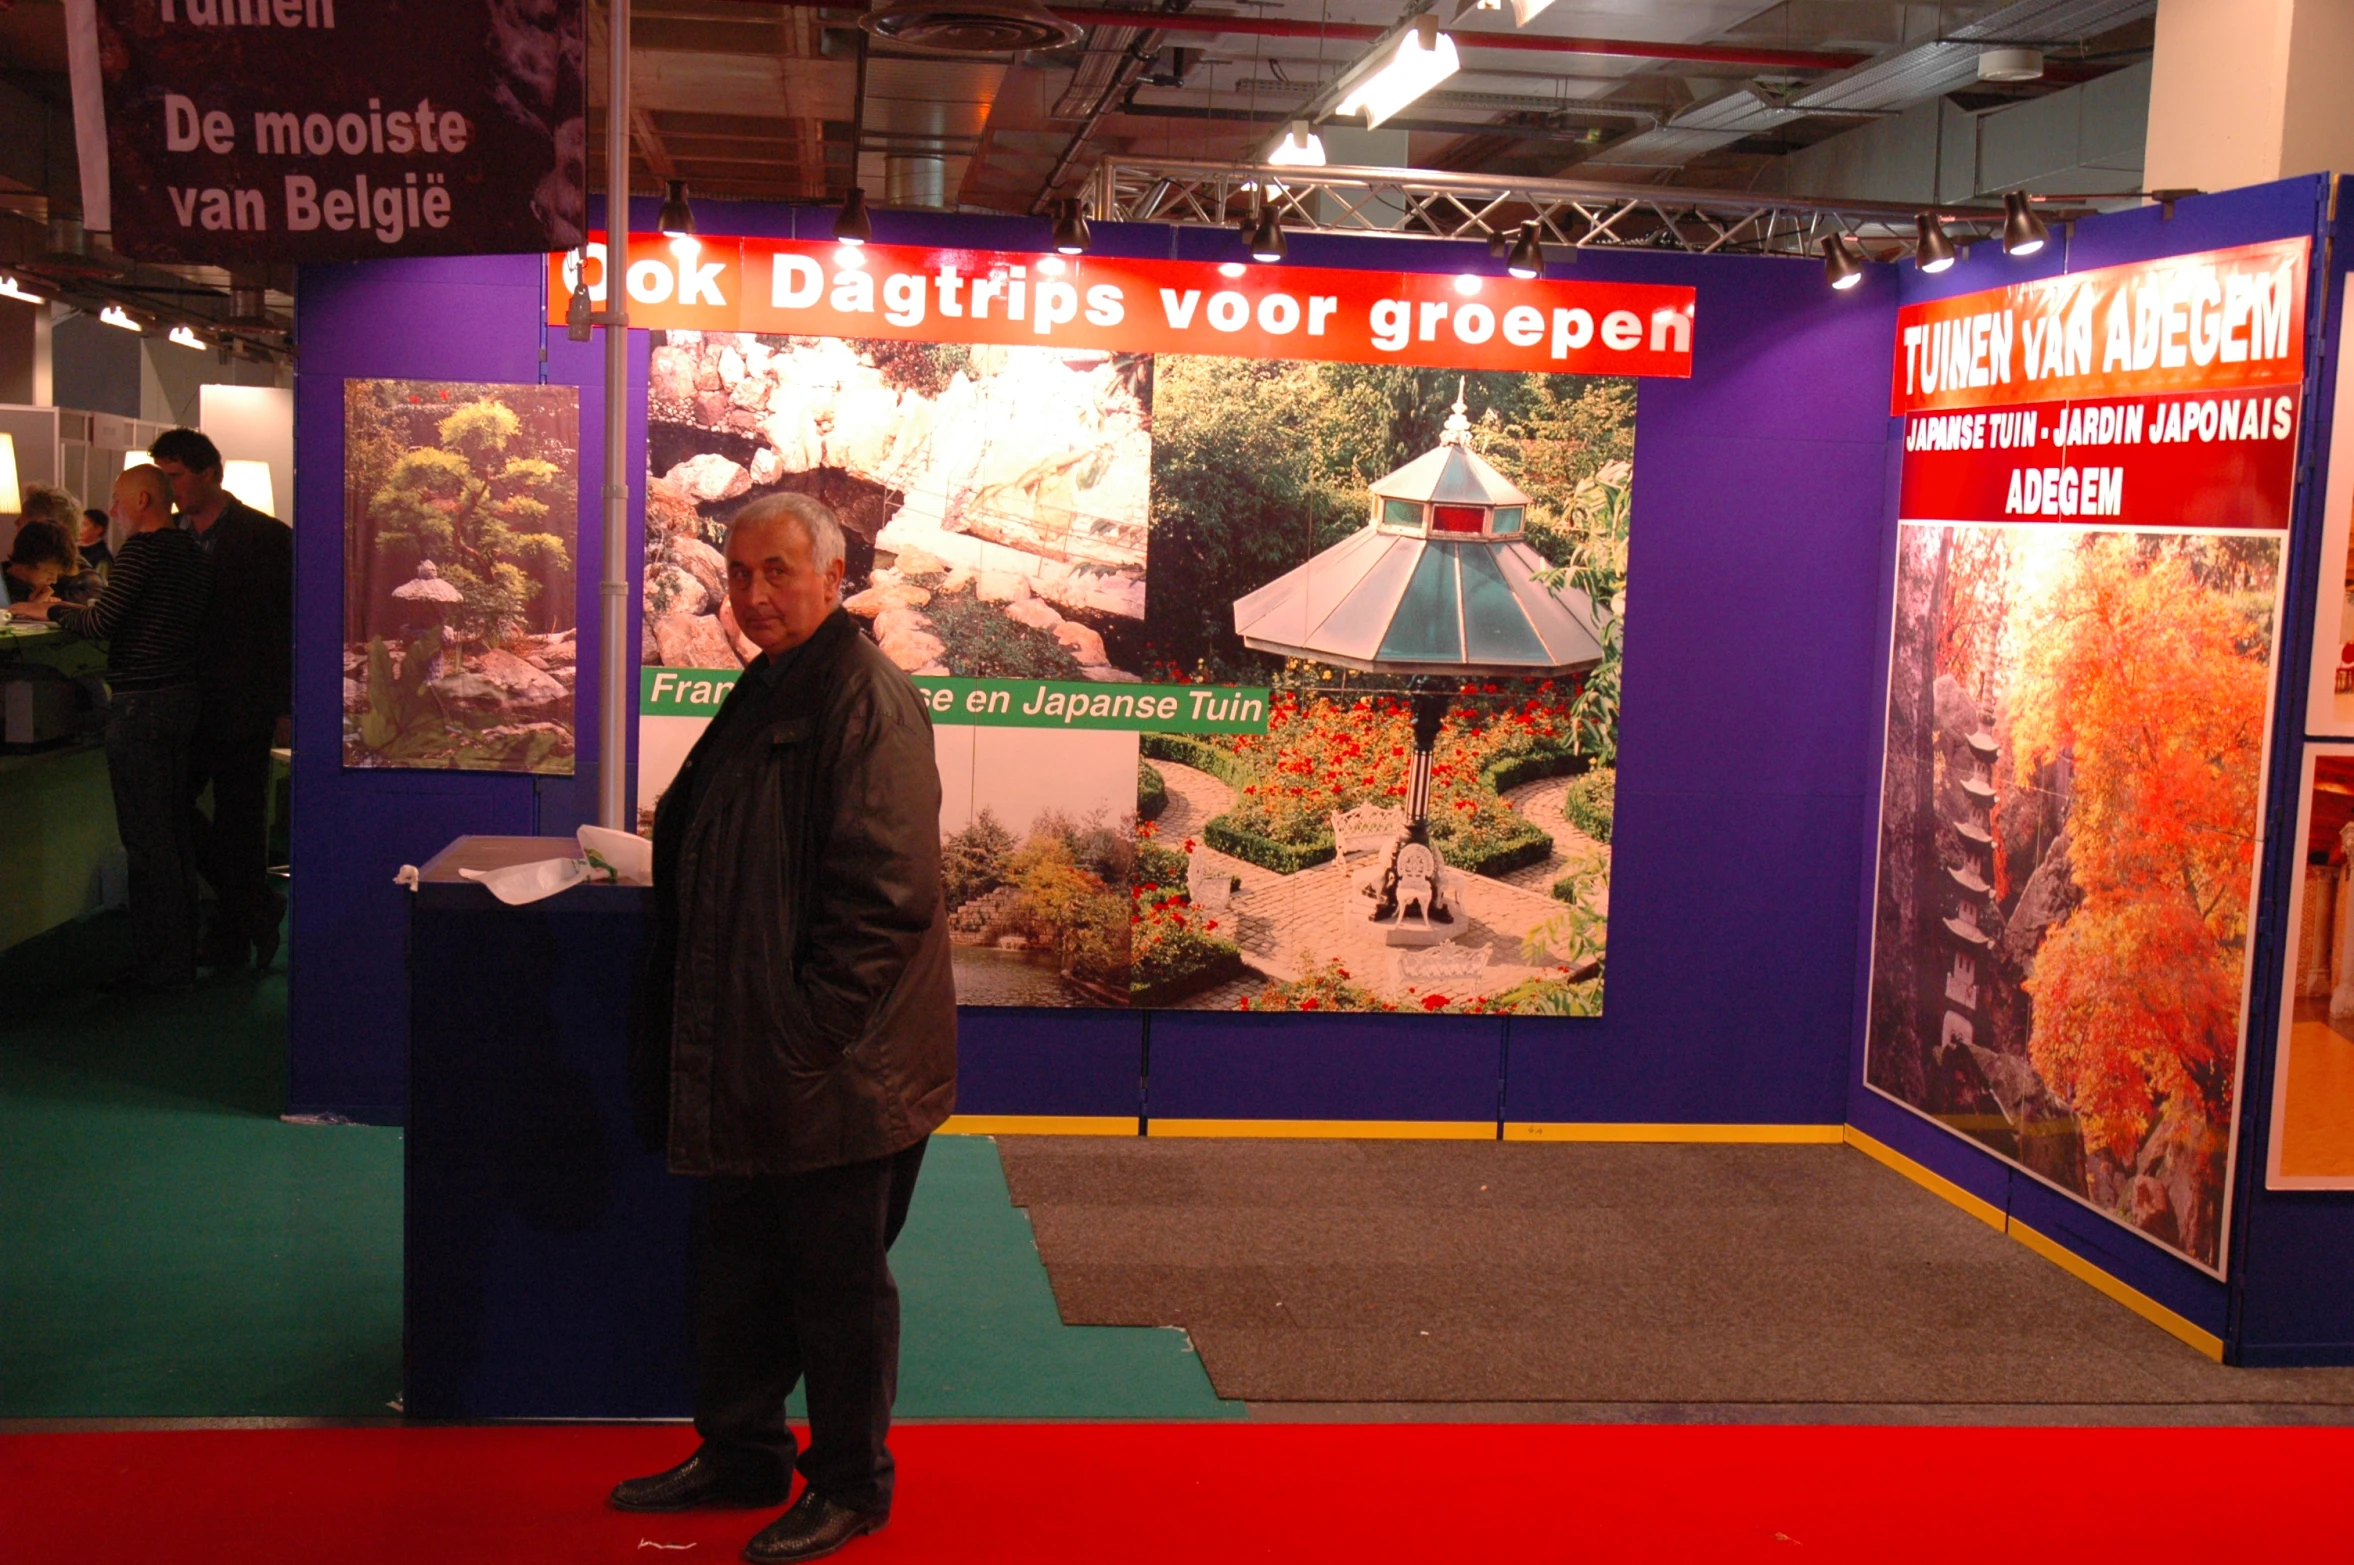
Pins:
<point x="763" y="100"/>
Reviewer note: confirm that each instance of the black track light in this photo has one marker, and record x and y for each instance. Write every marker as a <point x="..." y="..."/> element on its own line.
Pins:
<point x="1267" y="241"/>
<point x="1843" y="261"/>
<point x="853" y="226"/>
<point x="1934" y="252"/>
<point x="1528" y="257"/>
<point x="1070" y="231"/>
<point x="2023" y="231"/>
<point x="676" y="219"/>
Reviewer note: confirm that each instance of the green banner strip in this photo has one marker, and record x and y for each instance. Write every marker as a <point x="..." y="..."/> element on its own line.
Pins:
<point x="1009" y="703"/>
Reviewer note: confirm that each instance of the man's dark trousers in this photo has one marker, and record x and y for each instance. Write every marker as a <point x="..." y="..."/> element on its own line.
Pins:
<point x="147" y="734"/>
<point x="231" y="753"/>
<point x="794" y="1283"/>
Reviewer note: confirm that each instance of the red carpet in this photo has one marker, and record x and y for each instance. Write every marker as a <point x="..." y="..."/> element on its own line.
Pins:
<point x="1046" y="1494"/>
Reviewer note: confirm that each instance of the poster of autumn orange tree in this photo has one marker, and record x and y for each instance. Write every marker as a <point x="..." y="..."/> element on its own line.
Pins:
<point x="2070" y="818"/>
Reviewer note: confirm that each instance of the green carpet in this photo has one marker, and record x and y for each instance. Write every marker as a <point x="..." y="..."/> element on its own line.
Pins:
<point x="170" y="1248"/>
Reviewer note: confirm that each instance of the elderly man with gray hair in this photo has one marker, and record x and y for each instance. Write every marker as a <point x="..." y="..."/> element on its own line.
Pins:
<point x="795" y="1038"/>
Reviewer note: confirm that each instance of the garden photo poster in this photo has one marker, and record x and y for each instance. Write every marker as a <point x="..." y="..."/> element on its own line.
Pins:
<point x="1139" y="807"/>
<point x="2090" y="562"/>
<point x="460" y="518"/>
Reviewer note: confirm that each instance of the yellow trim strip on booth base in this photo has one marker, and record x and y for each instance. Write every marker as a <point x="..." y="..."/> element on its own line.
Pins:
<point x="1332" y="1129"/>
<point x="1605" y="1130"/>
<point x="2067" y="1260"/>
<point x="1038" y="1125"/>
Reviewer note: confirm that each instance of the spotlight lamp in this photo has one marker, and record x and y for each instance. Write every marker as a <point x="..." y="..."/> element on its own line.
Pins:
<point x="1843" y="261"/>
<point x="1071" y="236"/>
<point x="2023" y="232"/>
<point x="182" y="337"/>
<point x="10" y="288"/>
<point x="580" y="314"/>
<point x="1528" y="257"/>
<point x="1933" y="252"/>
<point x="1422" y="59"/>
<point x="853" y="226"/>
<point x="1267" y="241"/>
<point x="115" y="315"/>
<point x="676" y="220"/>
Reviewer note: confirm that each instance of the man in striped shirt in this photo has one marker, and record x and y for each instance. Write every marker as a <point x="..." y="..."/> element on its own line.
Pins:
<point x="149" y="615"/>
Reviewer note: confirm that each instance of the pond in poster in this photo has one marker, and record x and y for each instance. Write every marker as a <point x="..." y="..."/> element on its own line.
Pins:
<point x="1091" y="519"/>
<point x="460" y="515"/>
<point x="2068" y="833"/>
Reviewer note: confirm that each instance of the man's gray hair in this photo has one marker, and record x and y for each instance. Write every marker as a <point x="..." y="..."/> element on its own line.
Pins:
<point x="815" y="517"/>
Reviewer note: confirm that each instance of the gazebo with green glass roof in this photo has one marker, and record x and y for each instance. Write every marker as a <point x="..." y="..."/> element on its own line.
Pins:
<point x="1438" y="587"/>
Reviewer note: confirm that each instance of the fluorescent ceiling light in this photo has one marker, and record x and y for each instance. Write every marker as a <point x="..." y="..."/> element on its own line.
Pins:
<point x="1300" y="147"/>
<point x="1422" y="59"/>
<point x="185" y="338"/>
<point x="10" y="288"/>
<point x="113" y="315"/>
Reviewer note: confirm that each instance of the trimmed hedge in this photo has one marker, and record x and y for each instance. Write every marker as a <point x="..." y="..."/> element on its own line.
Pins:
<point x="1512" y="771"/>
<point x="1529" y="845"/>
<point x="1591" y="802"/>
<point x="1201" y="757"/>
<point x="1182" y="966"/>
<point x="1283" y="857"/>
<point x="1152" y="792"/>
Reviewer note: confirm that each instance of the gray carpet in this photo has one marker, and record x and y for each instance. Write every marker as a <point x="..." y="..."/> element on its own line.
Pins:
<point x="1516" y="1280"/>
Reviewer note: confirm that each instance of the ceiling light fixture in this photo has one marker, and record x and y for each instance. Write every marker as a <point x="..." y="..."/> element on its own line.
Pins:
<point x="853" y="226"/>
<point x="1528" y="257"/>
<point x="2010" y="65"/>
<point x="113" y="315"/>
<point x="1300" y="147"/>
<point x="1843" y="261"/>
<point x="2023" y="231"/>
<point x="1933" y="252"/>
<point x="10" y="288"/>
<point x="1267" y="241"/>
<point x="1423" y="58"/>
<point x="676" y="221"/>
<point x="1071" y="236"/>
<point x="183" y="337"/>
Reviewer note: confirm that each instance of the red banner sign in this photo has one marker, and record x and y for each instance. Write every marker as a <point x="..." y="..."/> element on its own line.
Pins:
<point x="2216" y="321"/>
<point x="909" y="293"/>
<point x="2164" y="394"/>
<point x="2165" y="461"/>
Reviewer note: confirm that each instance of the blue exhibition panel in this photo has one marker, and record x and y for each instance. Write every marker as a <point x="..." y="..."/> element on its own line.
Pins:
<point x="1211" y="1065"/>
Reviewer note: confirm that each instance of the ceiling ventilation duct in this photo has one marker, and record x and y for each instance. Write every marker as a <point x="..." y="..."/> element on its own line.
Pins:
<point x="969" y="26"/>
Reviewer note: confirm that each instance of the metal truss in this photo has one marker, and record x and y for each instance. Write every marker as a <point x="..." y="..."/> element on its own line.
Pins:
<point x="1570" y="213"/>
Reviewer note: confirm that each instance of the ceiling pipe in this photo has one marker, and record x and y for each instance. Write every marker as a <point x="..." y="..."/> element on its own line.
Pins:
<point x="1357" y="32"/>
<point x="1133" y="62"/>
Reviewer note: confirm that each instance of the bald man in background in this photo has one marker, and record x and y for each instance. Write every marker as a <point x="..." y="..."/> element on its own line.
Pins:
<point x="149" y="615"/>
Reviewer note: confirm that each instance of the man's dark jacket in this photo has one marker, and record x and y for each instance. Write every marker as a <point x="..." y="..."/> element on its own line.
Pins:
<point x="797" y="1009"/>
<point x="245" y="661"/>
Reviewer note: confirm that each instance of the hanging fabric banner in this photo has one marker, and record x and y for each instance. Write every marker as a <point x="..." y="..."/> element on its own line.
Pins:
<point x="254" y="131"/>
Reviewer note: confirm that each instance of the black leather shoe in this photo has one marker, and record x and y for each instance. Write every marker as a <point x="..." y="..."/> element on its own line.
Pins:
<point x="814" y="1527"/>
<point x="696" y="1482"/>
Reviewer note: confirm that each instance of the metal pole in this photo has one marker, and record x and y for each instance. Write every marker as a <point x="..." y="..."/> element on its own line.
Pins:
<point x="617" y="655"/>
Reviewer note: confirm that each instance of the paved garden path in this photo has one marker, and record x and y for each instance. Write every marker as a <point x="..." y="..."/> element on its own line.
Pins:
<point x="1539" y="803"/>
<point x="1287" y="925"/>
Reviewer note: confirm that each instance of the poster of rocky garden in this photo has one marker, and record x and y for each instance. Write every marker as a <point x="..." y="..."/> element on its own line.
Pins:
<point x="2070" y="819"/>
<point x="460" y="514"/>
<point x="1257" y="685"/>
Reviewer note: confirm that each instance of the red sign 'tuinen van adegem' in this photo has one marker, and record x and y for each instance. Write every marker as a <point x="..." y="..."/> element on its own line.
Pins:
<point x="922" y="294"/>
<point x="2161" y="394"/>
